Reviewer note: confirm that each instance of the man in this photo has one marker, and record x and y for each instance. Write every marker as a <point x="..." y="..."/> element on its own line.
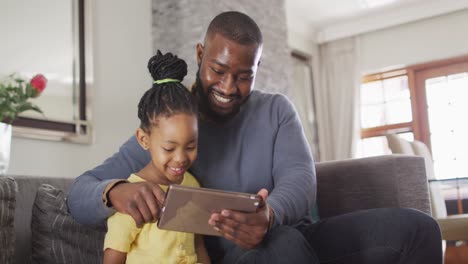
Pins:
<point x="253" y="142"/>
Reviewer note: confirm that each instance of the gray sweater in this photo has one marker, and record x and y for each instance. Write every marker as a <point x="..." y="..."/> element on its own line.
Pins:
<point x="263" y="146"/>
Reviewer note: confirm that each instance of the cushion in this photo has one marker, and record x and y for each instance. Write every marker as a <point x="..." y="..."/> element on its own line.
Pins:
<point x="8" y="189"/>
<point x="56" y="237"/>
<point x="399" y="145"/>
<point x="439" y="209"/>
<point x="420" y="149"/>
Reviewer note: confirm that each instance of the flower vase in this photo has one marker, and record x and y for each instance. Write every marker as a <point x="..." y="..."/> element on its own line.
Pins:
<point x="5" y="144"/>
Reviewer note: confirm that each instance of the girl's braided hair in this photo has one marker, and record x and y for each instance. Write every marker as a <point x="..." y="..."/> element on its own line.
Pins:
<point x="167" y="98"/>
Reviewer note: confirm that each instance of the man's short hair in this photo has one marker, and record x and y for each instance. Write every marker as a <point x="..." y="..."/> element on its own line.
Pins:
<point x="237" y="27"/>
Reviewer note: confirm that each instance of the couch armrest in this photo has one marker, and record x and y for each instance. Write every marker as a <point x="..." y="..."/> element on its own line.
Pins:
<point x="375" y="182"/>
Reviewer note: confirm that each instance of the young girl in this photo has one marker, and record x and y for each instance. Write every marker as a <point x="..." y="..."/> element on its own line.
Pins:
<point x="169" y="131"/>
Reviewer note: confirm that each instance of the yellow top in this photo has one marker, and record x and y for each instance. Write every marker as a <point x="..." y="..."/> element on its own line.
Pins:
<point x="150" y="244"/>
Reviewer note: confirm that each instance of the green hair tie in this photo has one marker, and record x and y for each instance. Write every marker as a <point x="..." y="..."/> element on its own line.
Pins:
<point x="167" y="80"/>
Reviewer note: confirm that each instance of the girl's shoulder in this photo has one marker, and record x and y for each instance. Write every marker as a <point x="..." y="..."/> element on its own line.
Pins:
<point x="190" y="180"/>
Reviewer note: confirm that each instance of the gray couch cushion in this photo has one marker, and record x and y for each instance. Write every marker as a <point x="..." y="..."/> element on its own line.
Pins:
<point x="376" y="182"/>
<point x="8" y="191"/>
<point x="56" y="237"/>
<point x="27" y="188"/>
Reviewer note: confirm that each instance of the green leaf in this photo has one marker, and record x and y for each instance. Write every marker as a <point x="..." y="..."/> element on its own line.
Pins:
<point x="37" y="109"/>
<point x="14" y="95"/>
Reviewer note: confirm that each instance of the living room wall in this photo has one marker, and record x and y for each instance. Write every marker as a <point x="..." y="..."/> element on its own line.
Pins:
<point x="418" y="42"/>
<point x="121" y="47"/>
<point x="122" y="44"/>
<point x="179" y="25"/>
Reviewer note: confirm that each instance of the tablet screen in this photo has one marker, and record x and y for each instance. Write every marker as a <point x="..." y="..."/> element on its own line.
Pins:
<point x="187" y="209"/>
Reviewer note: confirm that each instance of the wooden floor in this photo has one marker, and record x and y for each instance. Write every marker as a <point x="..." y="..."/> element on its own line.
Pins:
<point x="456" y="255"/>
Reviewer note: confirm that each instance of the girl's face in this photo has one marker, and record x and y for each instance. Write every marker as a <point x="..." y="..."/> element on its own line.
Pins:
<point x="172" y="143"/>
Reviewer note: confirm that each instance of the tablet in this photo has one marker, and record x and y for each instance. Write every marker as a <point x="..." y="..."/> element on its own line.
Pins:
<point x="187" y="209"/>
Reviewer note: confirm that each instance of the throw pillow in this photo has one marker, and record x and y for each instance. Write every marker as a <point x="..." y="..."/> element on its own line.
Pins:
<point x="8" y="189"/>
<point x="56" y="237"/>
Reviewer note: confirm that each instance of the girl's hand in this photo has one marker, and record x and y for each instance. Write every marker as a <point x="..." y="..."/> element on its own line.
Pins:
<point x="202" y="254"/>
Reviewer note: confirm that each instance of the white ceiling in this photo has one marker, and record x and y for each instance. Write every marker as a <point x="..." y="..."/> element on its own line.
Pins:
<point x="326" y="20"/>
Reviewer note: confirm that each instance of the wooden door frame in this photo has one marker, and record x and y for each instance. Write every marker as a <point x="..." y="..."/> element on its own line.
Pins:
<point x="417" y="74"/>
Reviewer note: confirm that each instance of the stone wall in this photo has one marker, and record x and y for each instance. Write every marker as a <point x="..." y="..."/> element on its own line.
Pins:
<point x="178" y="25"/>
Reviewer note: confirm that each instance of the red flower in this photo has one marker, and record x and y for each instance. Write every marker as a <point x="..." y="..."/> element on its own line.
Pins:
<point x="39" y="82"/>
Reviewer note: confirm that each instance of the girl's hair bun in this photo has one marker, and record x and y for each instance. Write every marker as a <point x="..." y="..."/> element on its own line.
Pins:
<point x="167" y="66"/>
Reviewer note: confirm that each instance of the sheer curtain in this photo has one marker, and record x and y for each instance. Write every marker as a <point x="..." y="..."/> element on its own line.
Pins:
<point x="337" y="99"/>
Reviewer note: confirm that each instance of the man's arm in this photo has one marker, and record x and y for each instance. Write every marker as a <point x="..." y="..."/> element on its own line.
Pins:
<point x="294" y="185"/>
<point x="85" y="196"/>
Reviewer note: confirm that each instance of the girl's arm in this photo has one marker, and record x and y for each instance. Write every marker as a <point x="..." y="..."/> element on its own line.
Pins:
<point x="121" y="233"/>
<point x="200" y="249"/>
<point x="112" y="256"/>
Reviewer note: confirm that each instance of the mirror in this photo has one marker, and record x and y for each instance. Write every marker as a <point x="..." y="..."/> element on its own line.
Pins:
<point x="48" y="37"/>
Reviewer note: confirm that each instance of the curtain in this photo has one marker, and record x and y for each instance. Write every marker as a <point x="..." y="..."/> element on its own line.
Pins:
<point x="337" y="99"/>
<point x="302" y="96"/>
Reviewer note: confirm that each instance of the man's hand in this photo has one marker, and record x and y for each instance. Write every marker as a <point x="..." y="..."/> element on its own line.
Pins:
<point x="142" y="201"/>
<point x="247" y="230"/>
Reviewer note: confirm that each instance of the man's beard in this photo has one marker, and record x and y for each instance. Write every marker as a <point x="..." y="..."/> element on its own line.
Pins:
<point x="206" y="112"/>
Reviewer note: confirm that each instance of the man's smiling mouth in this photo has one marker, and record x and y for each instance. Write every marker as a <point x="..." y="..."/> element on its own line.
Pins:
<point x="222" y="99"/>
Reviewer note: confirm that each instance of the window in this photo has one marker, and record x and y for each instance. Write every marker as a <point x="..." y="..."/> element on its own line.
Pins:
<point x="442" y="93"/>
<point x="447" y="97"/>
<point x="426" y="102"/>
<point x="59" y="48"/>
<point x="385" y="108"/>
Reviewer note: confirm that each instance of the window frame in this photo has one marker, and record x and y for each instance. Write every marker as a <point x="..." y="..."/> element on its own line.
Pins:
<point x="79" y="130"/>
<point x="419" y="125"/>
<point x="403" y="127"/>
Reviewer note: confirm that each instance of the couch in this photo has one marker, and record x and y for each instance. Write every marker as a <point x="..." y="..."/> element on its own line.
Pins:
<point x="35" y="226"/>
<point x="453" y="227"/>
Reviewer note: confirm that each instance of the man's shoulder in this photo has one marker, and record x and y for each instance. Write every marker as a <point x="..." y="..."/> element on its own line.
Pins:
<point x="272" y="102"/>
<point x="268" y="98"/>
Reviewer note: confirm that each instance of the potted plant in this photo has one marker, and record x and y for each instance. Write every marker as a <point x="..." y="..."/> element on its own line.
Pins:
<point x="15" y="93"/>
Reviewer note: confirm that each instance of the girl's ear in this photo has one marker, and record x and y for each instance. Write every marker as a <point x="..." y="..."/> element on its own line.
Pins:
<point x="143" y="138"/>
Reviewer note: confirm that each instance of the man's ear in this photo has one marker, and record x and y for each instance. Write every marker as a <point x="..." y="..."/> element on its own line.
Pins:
<point x="143" y="138"/>
<point x="199" y="53"/>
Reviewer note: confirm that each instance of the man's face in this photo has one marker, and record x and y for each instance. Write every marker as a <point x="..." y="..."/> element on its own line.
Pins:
<point x="226" y="75"/>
